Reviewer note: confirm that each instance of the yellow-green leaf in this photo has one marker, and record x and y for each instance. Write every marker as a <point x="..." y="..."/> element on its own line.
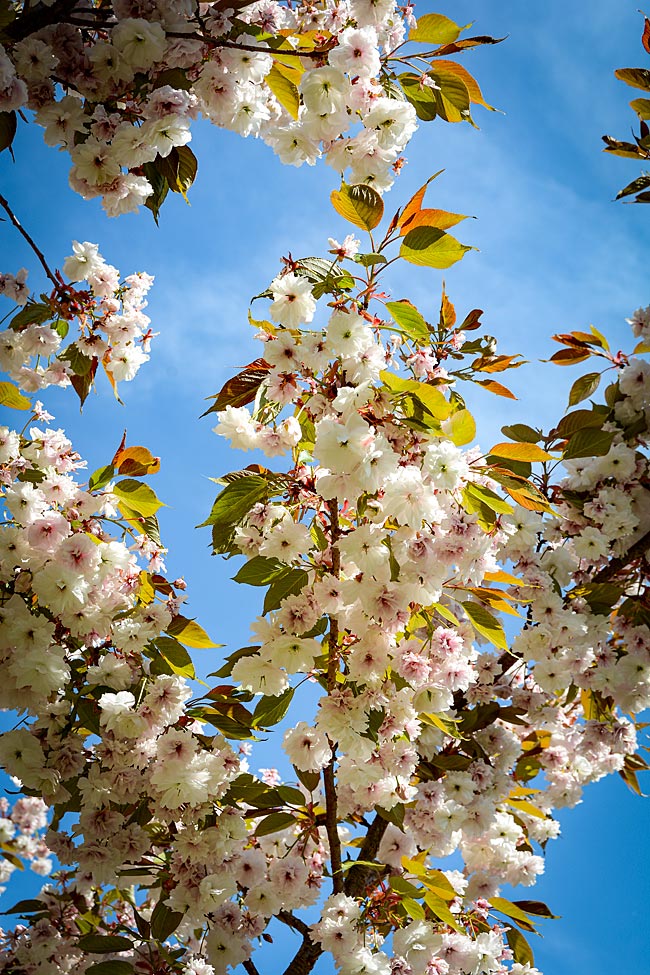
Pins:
<point x="441" y="910"/>
<point x="409" y="320"/>
<point x="284" y="90"/>
<point x="138" y="497"/>
<point x="430" y="247"/>
<point x="520" y="451"/>
<point x="509" y="909"/>
<point x="486" y="624"/>
<point x="189" y="633"/>
<point x="361" y="205"/>
<point x="12" y="397"/>
<point x="435" y="29"/>
<point x="461" y="427"/>
<point x="429" y="396"/>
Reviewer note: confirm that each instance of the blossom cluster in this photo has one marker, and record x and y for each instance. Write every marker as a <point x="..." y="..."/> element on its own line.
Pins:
<point x="21" y="837"/>
<point x="383" y="544"/>
<point x="112" y="327"/>
<point x="119" y="87"/>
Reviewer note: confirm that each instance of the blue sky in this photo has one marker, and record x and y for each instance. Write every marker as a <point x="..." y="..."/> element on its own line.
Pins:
<point x="555" y="254"/>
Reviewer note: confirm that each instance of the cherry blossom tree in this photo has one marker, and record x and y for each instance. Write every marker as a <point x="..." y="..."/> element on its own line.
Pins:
<point x="458" y="638"/>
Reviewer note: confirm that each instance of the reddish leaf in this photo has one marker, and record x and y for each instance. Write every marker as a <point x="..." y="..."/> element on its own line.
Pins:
<point x="645" y="40"/>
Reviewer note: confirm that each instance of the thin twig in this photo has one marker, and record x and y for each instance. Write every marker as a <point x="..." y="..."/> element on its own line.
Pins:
<point x="221" y="42"/>
<point x="19" y="227"/>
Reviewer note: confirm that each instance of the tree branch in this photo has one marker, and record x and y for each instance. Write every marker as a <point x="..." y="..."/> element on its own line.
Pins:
<point x="616" y="565"/>
<point x="250" y="967"/>
<point x="21" y="230"/>
<point x="357" y="878"/>
<point x="294" y="922"/>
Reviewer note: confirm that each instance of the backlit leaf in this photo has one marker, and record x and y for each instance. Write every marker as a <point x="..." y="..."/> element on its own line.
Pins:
<point x="486" y="624"/>
<point x="589" y="443"/>
<point x="430" y="247"/>
<point x="138" y="497"/>
<point x="636" y="77"/>
<point x="461" y="427"/>
<point x="361" y="205"/>
<point x="284" y="90"/>
<point x="520" y="451"/>
<point x="190" y="634"/>
<point x="409" y="320"/>
<point x="435" y="29"/>
<point x="11" y="396"/>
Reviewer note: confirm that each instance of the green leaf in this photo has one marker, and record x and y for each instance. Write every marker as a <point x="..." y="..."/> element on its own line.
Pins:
<point x="31" y="906"/>
<point x="521" y="950"/>
<point x="179" y="169"/>
<point x="435" y="29"/>
<point x="310" y="780"/>
<point x="12" y="397"/>
<point x="101" y="477"/>
<point x="164" y="921"/>
<point x="441" y="910"/>
<point x="326" y="276"/>
<point x="115" y="967"/>
<point x="175" y="654"/>
<point x="536" y="907"/>
<point x="81" y="364"/>
<point x="642" y="107"/>
<point x="488" y="497"/>
<point x="522" y="433"/>
<point x="509" y="909"/>
<point x="413" y="909"/>
<point x="288" y="794"/>
<point x="423" y="98"/>
<point x="580" y="420"/>
<point x="34" y="313"/>
<point x="271" y="710"/>
<point x="236" y="500"/>
<point x="585" y="385"/>
<point x="260" y="571"/>
<point x="99" y="944"/>
<point x="290" y="582"/>
<point x="274" y="823"/>
<point x="589" y="443"/>
<point x="409" y="320"/>
<point x="453" y="101"/>
<point x="635" y="77"/>
<point x="160" y="188"/>
<point x="430" y="247"/>
<point x="369" y="260"/>
<point x="8" y="126"/>
<point x="138" y="496"/>
<point x="429" y="396"/>
<point x="486" y="624"/>
<point x="360" y="205"/>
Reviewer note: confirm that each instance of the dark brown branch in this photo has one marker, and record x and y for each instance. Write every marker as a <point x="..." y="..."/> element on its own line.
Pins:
<point x="250" y="967"/>
<point x="21" y="230"/>
<point x="331" y="813"/>
<point x="294" y="922"/>
<point x="305" y="958"/>
<point x="617" y="565"/>
<point x="358" y="877"/>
